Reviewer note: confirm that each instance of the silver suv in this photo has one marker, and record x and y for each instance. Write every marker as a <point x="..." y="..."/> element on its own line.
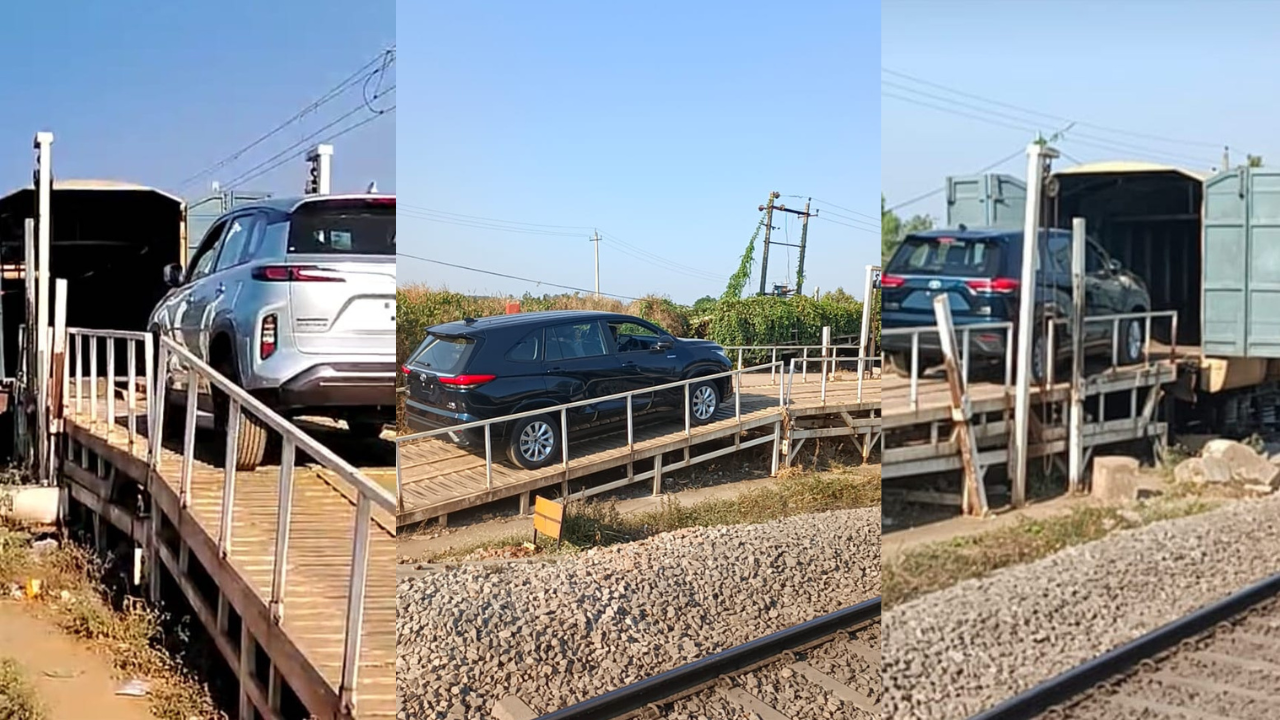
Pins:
<point x="294" y="300"/>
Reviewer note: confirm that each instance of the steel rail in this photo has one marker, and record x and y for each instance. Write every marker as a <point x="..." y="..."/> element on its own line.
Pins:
<point x="1080" y="679"/>
<point x="674" y="683"/>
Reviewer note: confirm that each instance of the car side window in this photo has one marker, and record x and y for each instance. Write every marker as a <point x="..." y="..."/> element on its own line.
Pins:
<point x="1060" y="253"/>
<point x="528" y="349"/>
<point x="207" y="255"/>
<point x="575" y="340"/>
<point x="630" y="337"/>
<point x="267" y="241"/>
<point x="234" y="243"/>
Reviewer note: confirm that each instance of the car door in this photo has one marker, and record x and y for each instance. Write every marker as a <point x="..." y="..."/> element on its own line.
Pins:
<point x="1101" y="293"/>
<point x="189" y="304"/>
<point x="580" y="365"/>
<point x="210" y="288"/>
<point x="643" y="365"/>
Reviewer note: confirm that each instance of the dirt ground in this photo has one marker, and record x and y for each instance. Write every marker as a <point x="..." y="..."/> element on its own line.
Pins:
<point x="71" y="680"/>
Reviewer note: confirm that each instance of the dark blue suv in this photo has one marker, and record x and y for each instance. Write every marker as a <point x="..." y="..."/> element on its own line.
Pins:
<point x="978" y="270"/>
<point x="487" y="368"/>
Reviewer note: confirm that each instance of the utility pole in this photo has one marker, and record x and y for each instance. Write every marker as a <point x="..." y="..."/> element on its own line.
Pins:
<point x="596" y="239"/>
<point x="768" y="225"/>
<point x="764" y="262"/>
<point x="804" y="233"/>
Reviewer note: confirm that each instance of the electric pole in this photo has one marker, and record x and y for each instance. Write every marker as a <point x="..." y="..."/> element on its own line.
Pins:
<point x="764" y="262"/>
<point x="596" y="239"/>
<point x="804" y="232"/>
<point x="768" y="225"/>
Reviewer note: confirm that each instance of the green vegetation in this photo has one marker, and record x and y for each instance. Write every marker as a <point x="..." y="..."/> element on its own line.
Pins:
<point x="893" y="229"/>
<point x="940" y="565"/>
<point x="18" y="698"/>
<point x="73" y="594"/>
<point x="593" y="524"/>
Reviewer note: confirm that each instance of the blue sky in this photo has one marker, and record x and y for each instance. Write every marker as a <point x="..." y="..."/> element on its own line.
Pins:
<point x="1169" y="82"/>
<point x="663" y="124"/>
<point x="154" y="92"/>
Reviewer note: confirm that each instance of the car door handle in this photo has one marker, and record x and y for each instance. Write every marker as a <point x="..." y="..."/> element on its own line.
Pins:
<point x="629" y="364"/>
<point x="553" y="370"/>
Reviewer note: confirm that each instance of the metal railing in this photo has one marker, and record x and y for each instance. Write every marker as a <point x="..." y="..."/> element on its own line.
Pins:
<point x="563" y="412"/>
<point x="84" y="347"/>
<point x="829" y="365"/>
<point x="967" y="333"/>
<point x="369" y="493"/>
<point x="774" y="350"/>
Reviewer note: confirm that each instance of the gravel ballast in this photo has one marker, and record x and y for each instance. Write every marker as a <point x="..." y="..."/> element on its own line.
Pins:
<point x="958" y="651"/>
<point x="558" y="633"/>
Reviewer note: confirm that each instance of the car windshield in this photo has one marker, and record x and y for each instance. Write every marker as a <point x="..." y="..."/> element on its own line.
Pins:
<point x="445" y="355"/>
<point x="347" y="227"/>
<point x="948" y="256"/>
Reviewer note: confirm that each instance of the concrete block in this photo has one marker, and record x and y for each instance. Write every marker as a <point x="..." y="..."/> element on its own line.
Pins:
<point x="1115" y="478"/>
<point x="1202" y="470"/>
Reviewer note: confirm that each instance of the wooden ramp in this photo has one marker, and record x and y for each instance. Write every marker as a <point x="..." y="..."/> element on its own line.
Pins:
<point x="305" y="648"/>
<point x="438" y="477"/>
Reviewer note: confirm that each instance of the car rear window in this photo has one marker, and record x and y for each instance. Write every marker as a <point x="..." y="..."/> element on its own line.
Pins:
<point x="344" y="227"/>
<point x="445" y="355"/>
<point x="954" y="257"/>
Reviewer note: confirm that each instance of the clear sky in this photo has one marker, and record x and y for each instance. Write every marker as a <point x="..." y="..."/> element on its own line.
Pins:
<point x="1168" y="82"/>
<point x="154" y="92"/>
<point x="664" y="124"/>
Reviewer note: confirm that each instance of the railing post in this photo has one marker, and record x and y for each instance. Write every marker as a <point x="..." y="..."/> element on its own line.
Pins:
<point x="79" y="373"/>
<point x="915" y="369"/>
<point x="631" y="432"/>
<point x="774" y="367"/>
<point x="131" y="357"/>
<point x="283" y="512"/>
<point x="355" y="607"/>
<point x="488" y="457"/>
<point x="229" y="477"/>
<point x="157" y="387"/>
<point x="688" y="411"/>
<point x="111" y="385"/>
<point x="189" y="439"/>
<point x="399" y="493"/>
<point x="93" y="380"/>
<point x="564" y="441"/>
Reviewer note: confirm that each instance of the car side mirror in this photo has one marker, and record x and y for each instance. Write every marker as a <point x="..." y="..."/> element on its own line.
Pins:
<point x="665" y="342"/>
<point x="173" y="274"/>
<point x="1114" y="265"/>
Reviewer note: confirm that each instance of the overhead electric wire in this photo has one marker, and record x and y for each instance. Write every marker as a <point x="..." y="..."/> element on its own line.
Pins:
<point x="820" y="201"/>
<point x="495" y="220"/>
<point x="511" y="277"/>
<point x="1078" y="137"/>
<point x="837" y="222"/>
<point x="386" y="57"/>
<point x="935" y="191"/>
<point x="423" y="215"/>
<point x="658" y="259"/>
<point x="850" y="218"/>
<point x="1059" y="118"/>
<point x="292" y="151"/>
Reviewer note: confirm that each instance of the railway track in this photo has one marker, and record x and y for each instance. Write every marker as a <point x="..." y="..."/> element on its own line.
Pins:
<point x="826" y="668"/>
<point x="1221" y="662"/>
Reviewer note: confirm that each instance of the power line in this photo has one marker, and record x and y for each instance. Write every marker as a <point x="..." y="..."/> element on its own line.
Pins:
<point x="510" y="277"/>
<point x="1082" y="138"/>
<point x="291" y="152"/>
<point x="837" y="222"/>
<point x="658" y="259"/>
<point x="1058" y="118"/>
<point x="935" y="191"/>
<point x="828" y="202"/>
<point x="495" y="220"/>
<point x="421" y="215"/>
<point x="386" y="57"/>
<point x="850" y="218"/>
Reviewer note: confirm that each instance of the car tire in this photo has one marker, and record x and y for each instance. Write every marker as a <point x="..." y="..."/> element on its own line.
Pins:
<point x="1131" y="341"/>
<point x="365" y="429"/>
<point x="534" y="442"/>
<point x="704" y="401"/>
<point x="251" y="440"/>
<point x="1039" y="360"/>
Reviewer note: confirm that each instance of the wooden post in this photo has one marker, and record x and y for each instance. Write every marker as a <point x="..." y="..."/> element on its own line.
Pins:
<point x="1075" y="438"/>
<point x="975" y="493"/>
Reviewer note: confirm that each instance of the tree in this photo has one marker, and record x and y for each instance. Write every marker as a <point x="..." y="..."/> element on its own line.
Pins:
<point x="1254" y="160"/>
<point x="893" y="229"/>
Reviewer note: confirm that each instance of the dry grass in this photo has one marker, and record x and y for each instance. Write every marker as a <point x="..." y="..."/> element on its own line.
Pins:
<point x="73" y="595"/>
<point x="940" y="565"/>
<point x="594" y="524"/>
<point x="18" y="697"/>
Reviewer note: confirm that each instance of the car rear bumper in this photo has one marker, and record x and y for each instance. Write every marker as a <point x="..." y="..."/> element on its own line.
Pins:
<point x="424" y="418"/>
<point x="341" y="385"/>
<point x="983" y="344"/>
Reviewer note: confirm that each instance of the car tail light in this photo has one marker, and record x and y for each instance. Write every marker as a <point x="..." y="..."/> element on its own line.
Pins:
<point x="381" y="202"/>
<point x="267" y="345"/>
<point x="1003" y="286"/>
<point x="891" y="281"/>
<point x="405" y="369"/>
<point x="465" y="381"/>
<point x="292" y="273"/>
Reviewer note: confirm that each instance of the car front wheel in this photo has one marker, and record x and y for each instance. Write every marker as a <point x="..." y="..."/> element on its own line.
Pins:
<point x="704" y="401"/>
<point x="1131" y="341"/>
<point x="534" y="442"/>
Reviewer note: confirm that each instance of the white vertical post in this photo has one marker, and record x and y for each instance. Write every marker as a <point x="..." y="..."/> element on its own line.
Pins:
<point x="320" y="158"/>
<point x="1036" y="155"/>
<point x="44" y="188"/>
<point x="1075" y="440"/>
<point x="868" y="302"/>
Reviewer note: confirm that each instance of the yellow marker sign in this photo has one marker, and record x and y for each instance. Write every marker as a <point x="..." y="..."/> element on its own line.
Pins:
<point x="548" y="517"/>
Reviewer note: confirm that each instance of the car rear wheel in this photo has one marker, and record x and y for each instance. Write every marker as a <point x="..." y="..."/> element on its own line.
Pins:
<point x="704" y="401"/>
<point x="251" y="440"/>
<point x="534" y="442"/>
<point x="1039" y="358"/>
